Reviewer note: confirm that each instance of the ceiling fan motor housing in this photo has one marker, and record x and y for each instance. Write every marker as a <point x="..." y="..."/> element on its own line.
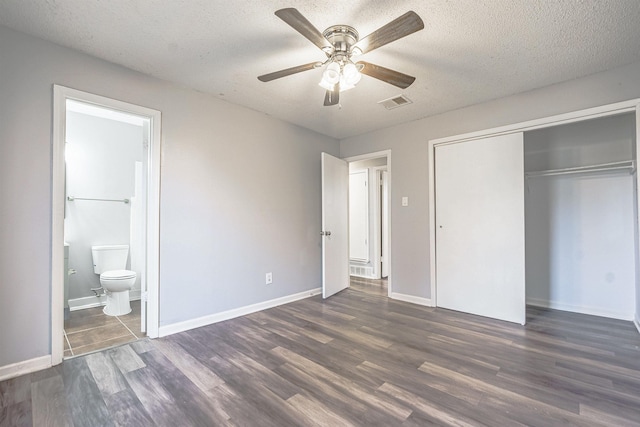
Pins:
<point x="341" y="37"/>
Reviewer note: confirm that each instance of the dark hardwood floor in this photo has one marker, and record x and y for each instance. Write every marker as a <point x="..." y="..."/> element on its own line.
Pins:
<point x="370" y="286"/>
<point x="357" y="358"/>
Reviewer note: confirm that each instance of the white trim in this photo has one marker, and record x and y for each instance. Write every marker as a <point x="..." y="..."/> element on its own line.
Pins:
<point x="94" y="301"/>
<point x="637" y="224"/>
<point x="594" y="311"/>
<point x="376" y="155"/>
<point x="174" y="328"/>
<point x="412" y="299"/>
<point x="60" y="95"/>
<point x="25" y="367"/>
<point x="368" y="156"/>
<point x="84" y="303"/>
<point x="377" y="223"/>
<point x="152" y="263"/>
<point x="432" y="223"/>
<point x="57" y="225"/>
<point x="545" y="122"/>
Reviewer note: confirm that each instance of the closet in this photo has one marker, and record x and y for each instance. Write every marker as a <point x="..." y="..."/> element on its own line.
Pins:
<point x="580" y="210"/>
<point x="540" y="213"/>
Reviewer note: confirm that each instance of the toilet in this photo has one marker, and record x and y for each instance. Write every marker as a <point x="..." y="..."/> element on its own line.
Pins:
<point x="110" y="263"/>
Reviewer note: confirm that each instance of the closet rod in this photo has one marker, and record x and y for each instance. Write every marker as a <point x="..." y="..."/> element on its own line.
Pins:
<point x="72" y="198"/>
<point x="603" y="167"/>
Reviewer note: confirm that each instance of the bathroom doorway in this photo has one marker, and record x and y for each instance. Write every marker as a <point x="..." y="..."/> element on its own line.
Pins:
<point x="369" y="223"/>
<point x="105" y="192"/>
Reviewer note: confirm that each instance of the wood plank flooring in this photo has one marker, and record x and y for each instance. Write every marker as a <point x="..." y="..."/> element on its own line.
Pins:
<point x="357" y="359"/>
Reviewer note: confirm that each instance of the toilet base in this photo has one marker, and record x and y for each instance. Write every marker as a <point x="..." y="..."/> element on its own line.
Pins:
<point x="117" y="304"/>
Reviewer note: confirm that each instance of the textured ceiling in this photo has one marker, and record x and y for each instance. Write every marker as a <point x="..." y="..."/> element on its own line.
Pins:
<point x="470" y="51"/>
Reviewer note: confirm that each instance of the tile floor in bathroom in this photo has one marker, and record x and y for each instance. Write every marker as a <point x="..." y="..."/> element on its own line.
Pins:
<point x="89" y="330"/>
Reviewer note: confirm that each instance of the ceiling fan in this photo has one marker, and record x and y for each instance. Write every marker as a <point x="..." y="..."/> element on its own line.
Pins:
<point x="341" y="43"/>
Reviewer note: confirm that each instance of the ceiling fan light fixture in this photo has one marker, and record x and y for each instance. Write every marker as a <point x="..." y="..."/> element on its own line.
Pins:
<point x="326" y="85"/>
<point x="344" y="84"/>
<point x="351" y="74"/>
<point x="332" y="74"/>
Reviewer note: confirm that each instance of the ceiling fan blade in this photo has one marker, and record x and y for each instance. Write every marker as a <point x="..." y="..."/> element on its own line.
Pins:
<point x="299" y="23"/>
<point x="332" y="97"/>
<point x="289" y="71"/>
<point x="400" y="27"/>
<point x="393" y="77"/>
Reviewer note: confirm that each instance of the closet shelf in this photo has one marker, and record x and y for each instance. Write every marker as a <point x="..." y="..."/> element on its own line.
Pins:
<point x="629" y="165"/>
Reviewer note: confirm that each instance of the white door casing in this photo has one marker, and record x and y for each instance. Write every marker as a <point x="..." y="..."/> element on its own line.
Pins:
<point x="385" y="223"/>
<point x="335" y="225"/>
<point x="152" y="202"/>
<point x="479" y="199"/>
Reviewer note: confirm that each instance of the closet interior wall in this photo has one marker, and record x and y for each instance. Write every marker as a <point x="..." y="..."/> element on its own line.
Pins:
<point x="580" y="225"/>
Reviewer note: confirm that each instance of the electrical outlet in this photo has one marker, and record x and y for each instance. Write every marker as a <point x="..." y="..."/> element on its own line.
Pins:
<point x="269" y="278"/>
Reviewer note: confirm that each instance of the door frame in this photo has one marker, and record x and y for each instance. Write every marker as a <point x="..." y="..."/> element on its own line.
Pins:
<point x="378" y="219"/>
<point x="377" y="155"/>
<point x="385" y="208"/>
<point x="545" y="122"/>
<point x="60" y="96"/>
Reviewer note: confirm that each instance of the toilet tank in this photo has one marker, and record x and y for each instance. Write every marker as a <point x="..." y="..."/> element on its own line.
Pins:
<point x="111" y="257"/>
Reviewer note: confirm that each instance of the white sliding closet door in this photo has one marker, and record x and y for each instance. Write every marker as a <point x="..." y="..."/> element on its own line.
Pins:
<point x="480" y="262"/>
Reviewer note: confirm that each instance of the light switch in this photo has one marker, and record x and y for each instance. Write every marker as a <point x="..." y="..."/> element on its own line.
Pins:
<point x="405" y="201"/>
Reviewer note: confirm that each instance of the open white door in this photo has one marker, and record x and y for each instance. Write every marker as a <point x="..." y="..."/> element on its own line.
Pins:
<point x="480" y="263"/>
<point x="335" y="225"/>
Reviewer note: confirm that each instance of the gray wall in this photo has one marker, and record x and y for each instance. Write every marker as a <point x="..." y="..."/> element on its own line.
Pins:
<point x="240" y="193"/>
<point x="100" y="163"/>
<point x="408" y="142"/>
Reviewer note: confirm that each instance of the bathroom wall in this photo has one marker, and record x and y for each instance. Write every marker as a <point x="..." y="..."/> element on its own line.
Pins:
<point x="100" y="163"/>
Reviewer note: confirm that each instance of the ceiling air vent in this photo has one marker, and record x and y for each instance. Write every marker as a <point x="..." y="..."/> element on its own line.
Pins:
<point x="395" y="102"/>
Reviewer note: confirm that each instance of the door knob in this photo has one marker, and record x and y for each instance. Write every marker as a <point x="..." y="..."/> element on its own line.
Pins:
<point x="325" y="233"/>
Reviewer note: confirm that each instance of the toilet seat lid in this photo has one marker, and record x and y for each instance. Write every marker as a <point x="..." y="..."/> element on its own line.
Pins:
<point x="118" y="275"/>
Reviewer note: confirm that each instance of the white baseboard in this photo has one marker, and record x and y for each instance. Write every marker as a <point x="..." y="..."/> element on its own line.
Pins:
<point x="636" y="322"/>
<point x="593" y="311"/>
<point x="230" y="314"/>
<point x="25" y="367"/>
<point x="412" y="299"/>
<point x="94" y="301"/>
